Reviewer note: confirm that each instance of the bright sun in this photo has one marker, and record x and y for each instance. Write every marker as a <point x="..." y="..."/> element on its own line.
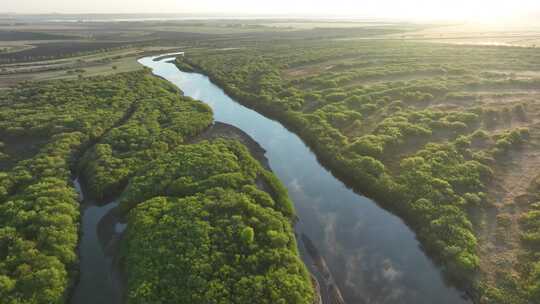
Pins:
<point x="482" y="10"/>
<point x="469" y="10"/>
<point x="463" y="10"/>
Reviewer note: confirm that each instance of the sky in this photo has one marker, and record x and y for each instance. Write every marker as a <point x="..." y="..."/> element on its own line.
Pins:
<point x="403" y="9"/>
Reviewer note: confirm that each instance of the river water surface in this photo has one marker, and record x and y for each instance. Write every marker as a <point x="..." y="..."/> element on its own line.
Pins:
<point x="373" y="256"/>
<point x="96" y="281"/>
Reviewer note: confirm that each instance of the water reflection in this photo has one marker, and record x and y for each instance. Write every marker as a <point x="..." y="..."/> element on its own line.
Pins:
<point x="373" y="256"/>
<point x="96" y="282"/>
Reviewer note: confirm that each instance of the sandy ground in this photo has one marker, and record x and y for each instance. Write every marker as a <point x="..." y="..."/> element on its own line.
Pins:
<point x="499" y="234"/>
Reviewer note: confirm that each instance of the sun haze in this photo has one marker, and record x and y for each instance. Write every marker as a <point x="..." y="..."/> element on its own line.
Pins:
<point x="483" y="10"/>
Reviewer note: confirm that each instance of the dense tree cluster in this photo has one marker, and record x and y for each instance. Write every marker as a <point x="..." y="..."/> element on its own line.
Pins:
<point x="211" y="226"/>
<point x="232" y="218"/>
<point x="189" y="169"/>
<point x="51" y="123"/>
<point x="39" y="214"/>
<point x="154" y="124"/>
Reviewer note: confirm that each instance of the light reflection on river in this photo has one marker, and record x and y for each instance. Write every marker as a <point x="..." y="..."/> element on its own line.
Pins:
<point x="373" y="255"/>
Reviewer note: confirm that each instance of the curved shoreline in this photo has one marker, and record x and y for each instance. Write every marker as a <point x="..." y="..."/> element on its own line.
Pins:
<point x="337" y="169"/>
<point x="223" y="130"/>
<point x="422" y="279"/>
<point x="110" y="226"/>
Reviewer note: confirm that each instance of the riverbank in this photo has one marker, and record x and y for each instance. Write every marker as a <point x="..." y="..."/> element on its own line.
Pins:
<point x="227" y="131"/>
<point x="128" y="129"/>
<point x="341" y="223"/>
<point x="365" y="178"/>
<point x="112" y="224"/>
<point x="326" y="293"/>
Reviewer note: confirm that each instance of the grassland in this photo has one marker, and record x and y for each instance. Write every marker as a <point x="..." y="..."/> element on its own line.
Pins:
<point x="45" y="50"/>
<point x="111" y="62"/>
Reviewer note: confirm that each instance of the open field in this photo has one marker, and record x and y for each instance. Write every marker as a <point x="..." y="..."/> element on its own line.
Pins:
<point x="470" y="34"/>
<point x="91" y="48"/>
<point x="57" y="50"/>
<point x="123" y="60"/>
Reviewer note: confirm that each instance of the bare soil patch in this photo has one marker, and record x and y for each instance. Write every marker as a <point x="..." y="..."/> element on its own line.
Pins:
<point x="499" y="233"/>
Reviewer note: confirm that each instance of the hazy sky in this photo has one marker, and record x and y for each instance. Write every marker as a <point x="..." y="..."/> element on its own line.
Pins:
<point x="426" y="9"/>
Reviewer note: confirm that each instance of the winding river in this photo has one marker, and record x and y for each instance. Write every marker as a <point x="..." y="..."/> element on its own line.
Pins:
<point x="368" y="253"/>
<point x="372" y="255"/>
